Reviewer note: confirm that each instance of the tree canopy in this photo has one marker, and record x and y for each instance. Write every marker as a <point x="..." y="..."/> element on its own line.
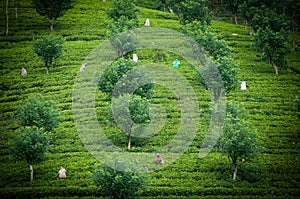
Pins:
<point x="38" y="111"/>
<point x="52" y="10"/>
<point x="125" y="8"/>
<point x="118" y="184"/>
<point x="191" y="10"/>
<point x="49" y="49"/>
<point x="113" y="74"/>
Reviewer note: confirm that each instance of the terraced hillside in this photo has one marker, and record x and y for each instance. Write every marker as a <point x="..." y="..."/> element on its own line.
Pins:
<point x="269" y="100"/>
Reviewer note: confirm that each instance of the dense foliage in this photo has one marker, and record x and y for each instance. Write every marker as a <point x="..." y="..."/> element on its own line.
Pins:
<point x="237" y="142"/>
<point x="124" y="18"/>
<point x="271" y="36"/>
<point x="123" y="8"/>
<point x="116" y="71"/>
<point x="38" y="111"/>
<point x="51" y="10"/>
<point x="191" y="10"/>
<point x="49" y="49"/>
<point x="118" y="184"/>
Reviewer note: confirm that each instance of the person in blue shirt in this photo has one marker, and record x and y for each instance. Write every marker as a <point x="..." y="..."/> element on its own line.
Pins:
<point x="176" y="63"/>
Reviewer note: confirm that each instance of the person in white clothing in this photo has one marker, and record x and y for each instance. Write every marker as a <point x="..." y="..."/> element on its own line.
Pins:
<point x="23" y="71"/>
<point x="62" y="173"/>
<point x="83" y="67"/>
<point x="135" y="58"/>
<point x="243" y="86"/>
<point x="147" y="23"/>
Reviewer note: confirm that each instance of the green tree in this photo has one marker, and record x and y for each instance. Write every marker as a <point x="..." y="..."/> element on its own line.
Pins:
<point x="37" y="111"/>
<point x="237" y="141"/>
<point x="292" y="11"/>
<point x="273" y="46"/>
<point x="271" y="36"/>
<point x="191" y="10"/>
<point x="121" y="80"/>
<point x="112" y="75"/>
<point x="131" y="117"/>
<point x="121" y="25"/>
<point x="30" y="144"/>
<point x="52" y="10"/>
<point x="125" y="8"/>
<point x="124" y="18"/>
<point x="124" y="42"/>
<point x="49" y="49"/>
<point x="118" y="184"/>
<point x="263" y="17"/>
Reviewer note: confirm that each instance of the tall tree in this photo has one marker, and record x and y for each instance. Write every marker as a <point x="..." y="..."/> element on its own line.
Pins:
<point x="271" y="36"/>
<point x="292" y="11"/>
<point x="130" y="105"/>
<point x="30" y="144"/>
<point x="131" y="113"/>
<point x="121" y="36"/>
<point x="52" y="10"/>
<point x="237" y="141"/>
<point x="273" y="46"/>
<point x="49" y="49"/>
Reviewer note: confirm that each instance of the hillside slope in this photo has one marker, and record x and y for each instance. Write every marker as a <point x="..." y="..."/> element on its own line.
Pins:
<point x="269" y="100"/>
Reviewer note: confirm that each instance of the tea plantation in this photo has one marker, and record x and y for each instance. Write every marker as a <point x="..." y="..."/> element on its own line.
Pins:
<point x="269" y="101"/>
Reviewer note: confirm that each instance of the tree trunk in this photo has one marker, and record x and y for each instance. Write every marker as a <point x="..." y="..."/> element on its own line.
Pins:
<point x="234" y="172"/>
<point x="235" y="19"/>
<point x="16" y="8"/>
<point x="51" y="24"/>
<point x="293" y="28"/>
<point x="6" y="17"/>
<point x="47" y="68"/>
<point x="129" y="141"/>
<point x="246" y="24"/>
<point x="251" y="31"/>
<point x="275" y="67"/>
<point x="31" y="172"/>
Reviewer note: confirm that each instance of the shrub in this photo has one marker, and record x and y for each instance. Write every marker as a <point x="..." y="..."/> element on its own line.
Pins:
<point x="118" y="184"/>
<point x="39" y="112"/>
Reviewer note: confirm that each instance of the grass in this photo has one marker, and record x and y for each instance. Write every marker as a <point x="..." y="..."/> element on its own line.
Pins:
<point x="274" y="173"/>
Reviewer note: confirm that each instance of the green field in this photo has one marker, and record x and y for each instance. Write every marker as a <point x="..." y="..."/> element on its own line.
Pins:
<point x="269" y="100"/>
